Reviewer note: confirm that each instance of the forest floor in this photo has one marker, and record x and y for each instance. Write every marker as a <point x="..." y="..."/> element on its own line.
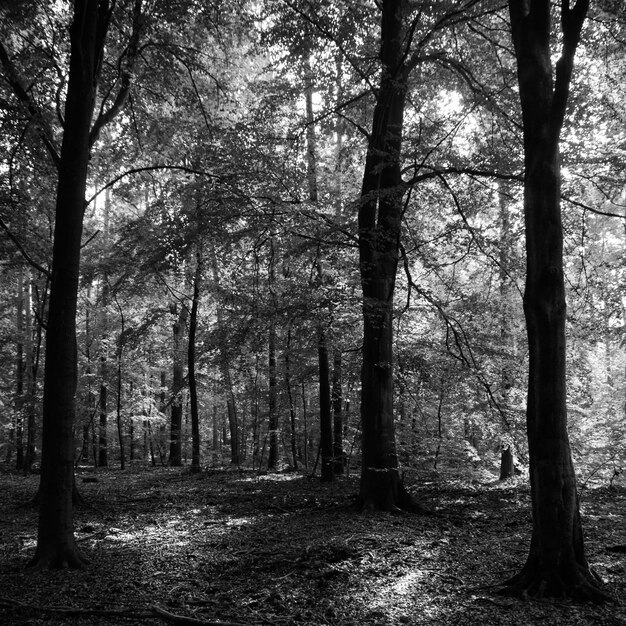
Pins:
<point x="235" y="547"/>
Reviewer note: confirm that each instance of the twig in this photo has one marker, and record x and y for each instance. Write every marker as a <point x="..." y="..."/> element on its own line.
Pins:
<point x="128" y="613"/>
<point x="181" y="619"/>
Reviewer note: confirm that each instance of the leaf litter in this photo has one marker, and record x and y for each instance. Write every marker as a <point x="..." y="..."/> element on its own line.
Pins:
<point x="235" y="547"/>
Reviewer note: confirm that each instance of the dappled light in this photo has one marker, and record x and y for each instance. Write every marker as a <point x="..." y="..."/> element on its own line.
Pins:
<point x="312" y="313"/>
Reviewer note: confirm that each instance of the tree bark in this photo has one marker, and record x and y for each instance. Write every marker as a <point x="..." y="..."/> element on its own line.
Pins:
<point x="176" y="415"/>
<point x="337" y="404"/>
<point x="19" y="375"/>
<point x="191" y="367"/>
<point x="231" y="405"/>
<point x="556" y="564"/>
<point x="326" y="423"/>
<point x="292" y="408"/>
<point x="29" y="379"/>
<point x="272" y="459"/>
<point x="380" y="214"/>
<point x="55" y="539"/>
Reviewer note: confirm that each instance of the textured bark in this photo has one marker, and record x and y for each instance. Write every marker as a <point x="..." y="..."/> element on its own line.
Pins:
<point x="507" y="466"/>
<point x="231" y="405"/>
<point x="29" y="380"/>
<point x="337" y="404"/>
<point x="556" y="564"/>
<point x="19" y="375"/>
<point x="191" y="368"/>
<point x="292" y="408"/>
<point x="380" y="214"/>
<point x="272" y="459"/>
<point x="326" y="423"/>
<point x="506" y="249"/>
<point x="176" y="415"/>
<point x="55" y="539"/>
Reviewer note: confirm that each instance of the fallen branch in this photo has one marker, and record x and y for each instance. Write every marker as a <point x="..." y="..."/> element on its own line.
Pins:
<point x="181" y="619"/>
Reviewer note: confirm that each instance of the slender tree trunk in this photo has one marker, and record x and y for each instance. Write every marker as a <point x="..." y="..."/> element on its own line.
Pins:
<point x="292" y="409"/>
<point x="118" y="409"/>
<point x="55" y="538"/>
<point x="326" y="423"/>
<point x="507" y="466"/>
<point x="556" y="564"/>
<point x="29" y="380"/>
<point x="216" y="431"/>
<point x="19" y="375"/>
<point x="191" y="368"/>
<point x="337" y="404"/>
<point x="226" y="374"/>
<point x="176" y="416"/>
<point x="272" y="459"/>
<point x="305" y="427"/>
<point x="103" y="453"/>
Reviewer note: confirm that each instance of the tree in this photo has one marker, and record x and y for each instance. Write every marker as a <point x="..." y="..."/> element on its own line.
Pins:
<point x="176" y="414"/>
<point x="380" y="215"/>
<point x="556" y="564"/>
<point x="88" y="31"/>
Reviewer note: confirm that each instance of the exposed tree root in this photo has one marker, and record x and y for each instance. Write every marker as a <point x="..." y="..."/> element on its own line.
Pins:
<point x="385" y="491"/>
<point x="149" y="613"/>
<point x="581" y="586"/>
<point x="64" y="559"/>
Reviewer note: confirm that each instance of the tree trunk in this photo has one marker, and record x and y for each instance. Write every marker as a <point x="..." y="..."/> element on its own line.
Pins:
<point x="191" y="368"/>
<point x="118" y="409"/>
<point x="292" y="409"/>
<point x="233" y="429"/>
<point x="507" y="468"/>
<point x="507" y="465"/>
<point x="556" y="564"/>
<point x="29" y="380"/>
<point x="55" y="538"/>
<point x="326" y="423"/>
<point x="380" y="215"/>
<point x="176" y="416"/>
<point x="19" y="375"/>
<point x="337" y="404"/>
<point x="272" y="459"/>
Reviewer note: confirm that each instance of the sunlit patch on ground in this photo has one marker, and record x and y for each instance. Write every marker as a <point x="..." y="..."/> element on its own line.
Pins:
<point x="286" y="550"/>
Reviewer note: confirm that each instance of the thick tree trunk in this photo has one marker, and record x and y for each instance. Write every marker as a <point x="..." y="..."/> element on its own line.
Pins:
<point x="55" y="539"/>
<point x="556" y="564"/>
<point x="176" y="415"/>
<point x="380" y="215"/>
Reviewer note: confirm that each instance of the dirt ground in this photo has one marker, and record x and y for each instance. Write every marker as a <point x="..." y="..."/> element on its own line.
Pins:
<point x="235" y="547"/>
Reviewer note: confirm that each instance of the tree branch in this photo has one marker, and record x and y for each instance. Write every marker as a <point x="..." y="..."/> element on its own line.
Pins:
<point x="22" y="250"/>
<point x="126" y="76"/>
<point x="17" y="85"/>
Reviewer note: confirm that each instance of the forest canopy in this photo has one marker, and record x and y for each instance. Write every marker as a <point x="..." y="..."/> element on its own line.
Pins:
<point x="329" y="237"/>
